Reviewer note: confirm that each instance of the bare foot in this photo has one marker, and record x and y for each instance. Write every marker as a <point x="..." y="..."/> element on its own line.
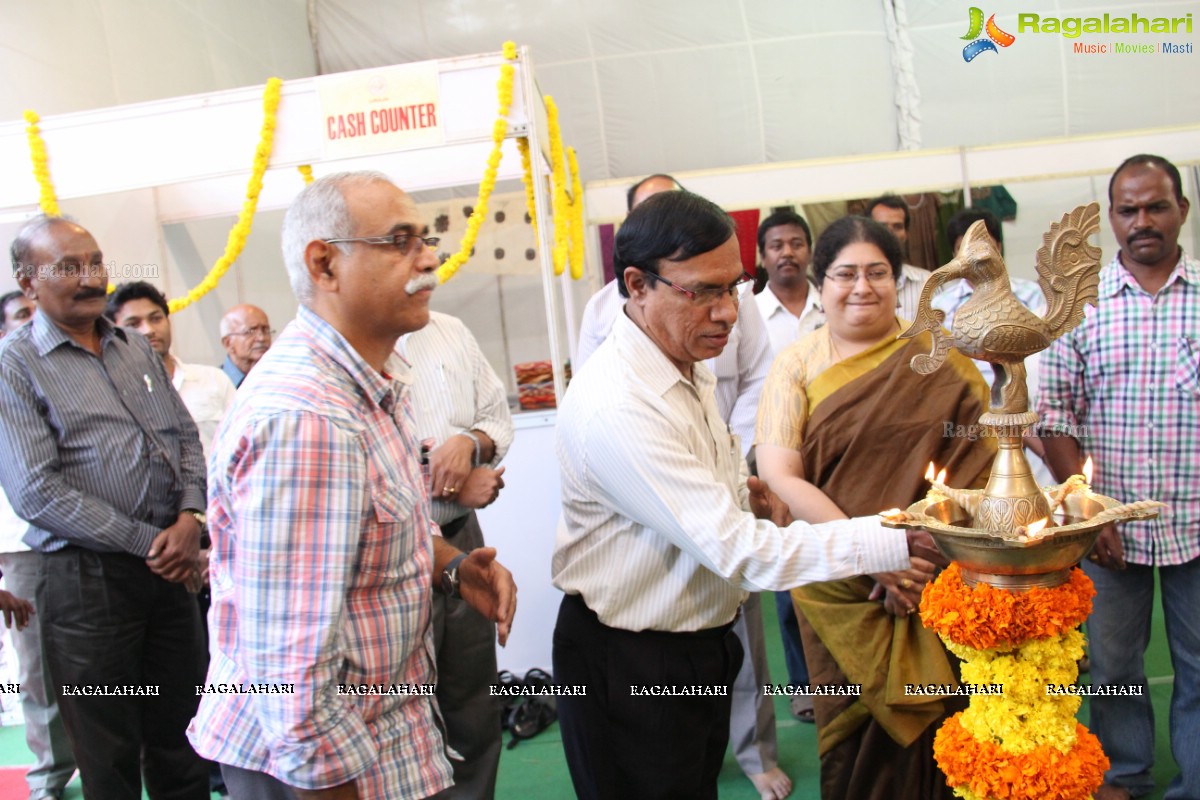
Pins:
<point x="772" y="784"/>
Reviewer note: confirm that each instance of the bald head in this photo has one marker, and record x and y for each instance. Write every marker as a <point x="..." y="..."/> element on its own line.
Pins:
<point x="245" y="335"/>
<point x="648" y="187"/>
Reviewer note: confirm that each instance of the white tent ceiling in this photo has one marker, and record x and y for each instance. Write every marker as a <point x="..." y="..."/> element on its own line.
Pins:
<point x="674" y="85"/>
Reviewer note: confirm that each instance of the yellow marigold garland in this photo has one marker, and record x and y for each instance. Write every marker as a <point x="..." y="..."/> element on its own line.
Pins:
<point x="306" y="172"/>
<point x="41" y="165"/>
<point x="527" y="179"/>
<point x="559" y="203"/>
<point x="576" y="216"/>
<point x="1024" y="743"/>
<point x="241" y="229"/>
<point x="985" y="617"/>
<point x="1025" y="716"/>
<point x="504" y="90"/>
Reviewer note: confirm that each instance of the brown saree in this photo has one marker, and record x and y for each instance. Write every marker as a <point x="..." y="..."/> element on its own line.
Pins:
<point x="873" y="427"/>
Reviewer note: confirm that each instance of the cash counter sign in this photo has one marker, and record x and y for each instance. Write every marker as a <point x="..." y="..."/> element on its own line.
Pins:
<point x="380" y="110"/>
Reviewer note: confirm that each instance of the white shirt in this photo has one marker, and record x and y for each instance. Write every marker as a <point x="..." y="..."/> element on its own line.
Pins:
<point x="656" y="533"/>
<point x="12" y="528"/>
<point x="454" y="389"/>
<point x="207" y="392"/>
<point x="784" y="327"/>
<point x="908" y="290"/>
<point x="741" y="368"/>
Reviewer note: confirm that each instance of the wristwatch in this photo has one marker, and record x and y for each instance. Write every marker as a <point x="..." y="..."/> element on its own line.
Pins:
<point x="450" y="580"/>
<point x="198" y="515"/>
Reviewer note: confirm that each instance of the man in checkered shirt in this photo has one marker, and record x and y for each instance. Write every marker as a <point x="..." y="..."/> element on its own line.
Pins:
<point x="1124" y="387"/>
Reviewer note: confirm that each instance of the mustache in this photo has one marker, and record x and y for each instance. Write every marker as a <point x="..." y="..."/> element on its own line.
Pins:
<point x="89" y="293"/>
<point x="426" y="280"/>
<point x="1146" y="235"/>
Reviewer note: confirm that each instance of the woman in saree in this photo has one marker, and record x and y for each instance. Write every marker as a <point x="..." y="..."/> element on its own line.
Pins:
<point x="846" y="428"/>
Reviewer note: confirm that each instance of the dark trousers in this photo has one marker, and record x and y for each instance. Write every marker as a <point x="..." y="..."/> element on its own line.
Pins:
<point x="245" y="784"/>
<point x="620" y="745"/>
<point x="465" y="643"/>
<point x="107" y="620"/>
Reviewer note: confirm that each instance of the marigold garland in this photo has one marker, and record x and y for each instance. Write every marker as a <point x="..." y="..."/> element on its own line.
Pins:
<point x="241" y="229"/>
<point x="1026" y="716"/>
<point x="306" y="172"/>
<point x="1025" y="742"/>
<point x="576" y="216"/>
<point x="527" y="179"/>
<point x="1045" y="772"/>
<point x="504" y="91"/>
<point x="559" y="203"/>
<point x="41" y="165"/>
<point x="984" y="617"/>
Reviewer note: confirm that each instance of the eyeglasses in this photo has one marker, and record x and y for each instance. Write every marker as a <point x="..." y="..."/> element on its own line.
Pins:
<point x="708" y="296"/>
<point x="404" y="242"/>
<point x="259" y="330"/>
<point x="847" y="276"/>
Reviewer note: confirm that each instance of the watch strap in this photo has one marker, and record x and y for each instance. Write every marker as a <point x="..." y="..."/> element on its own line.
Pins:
<point x="450" y="579"/>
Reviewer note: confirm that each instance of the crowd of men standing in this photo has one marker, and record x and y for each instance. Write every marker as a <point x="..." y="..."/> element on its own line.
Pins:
<point x="299" y="524"/>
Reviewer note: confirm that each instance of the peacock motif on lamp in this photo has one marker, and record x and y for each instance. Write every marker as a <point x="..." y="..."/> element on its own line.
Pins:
<point x="993" y="325"/>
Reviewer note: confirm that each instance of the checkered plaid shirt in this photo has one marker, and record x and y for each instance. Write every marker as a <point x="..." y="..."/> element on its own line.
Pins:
<point x="320" y="572"/>
<point x="1126" y="384"/>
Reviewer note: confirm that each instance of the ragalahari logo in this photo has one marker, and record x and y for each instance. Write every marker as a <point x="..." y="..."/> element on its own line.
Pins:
<point x="995" y="36"/>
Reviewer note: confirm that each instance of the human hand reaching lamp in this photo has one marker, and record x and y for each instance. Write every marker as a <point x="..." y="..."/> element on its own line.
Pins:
<point x="1014" y="534"/>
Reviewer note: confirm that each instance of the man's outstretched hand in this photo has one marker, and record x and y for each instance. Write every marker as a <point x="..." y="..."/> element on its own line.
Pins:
<point x="489" y="589"/>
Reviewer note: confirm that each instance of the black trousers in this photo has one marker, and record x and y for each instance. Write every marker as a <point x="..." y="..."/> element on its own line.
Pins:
<point x="622" y="744"/>
<point x="108" y="621"/>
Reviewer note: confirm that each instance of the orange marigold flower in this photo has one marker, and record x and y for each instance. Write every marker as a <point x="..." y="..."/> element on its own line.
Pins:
<point x="1044" y="773"/>
<point x="985" y="617"/>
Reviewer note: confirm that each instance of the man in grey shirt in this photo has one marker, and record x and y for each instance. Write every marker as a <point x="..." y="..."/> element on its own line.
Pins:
<point x="104" y="462"/>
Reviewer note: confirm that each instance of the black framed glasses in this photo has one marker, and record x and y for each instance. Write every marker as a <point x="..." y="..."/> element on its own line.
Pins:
<point x="404" y="242"/>
<point x="849" y="276"/>
<point x="708" y="295"/>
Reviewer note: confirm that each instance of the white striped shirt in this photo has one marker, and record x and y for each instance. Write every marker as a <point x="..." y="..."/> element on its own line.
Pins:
<point x="741" y="367"/>
<point x="454" y="390"/>
<point x="908" y="290"/>
<point x="656" y="533"/>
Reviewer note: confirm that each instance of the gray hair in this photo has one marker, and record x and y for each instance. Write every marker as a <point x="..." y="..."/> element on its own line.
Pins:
<point x="21" y="249"/>
<point x="319" y="212"/>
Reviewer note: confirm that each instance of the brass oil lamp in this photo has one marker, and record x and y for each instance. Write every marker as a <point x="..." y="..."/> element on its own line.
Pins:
<point x="1014" y="534"/>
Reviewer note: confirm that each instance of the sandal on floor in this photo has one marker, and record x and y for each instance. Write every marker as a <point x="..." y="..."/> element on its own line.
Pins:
<point x="802" y="709"/>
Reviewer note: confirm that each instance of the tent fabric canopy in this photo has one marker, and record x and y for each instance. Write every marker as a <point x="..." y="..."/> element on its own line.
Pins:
<point x="664" y="86"/>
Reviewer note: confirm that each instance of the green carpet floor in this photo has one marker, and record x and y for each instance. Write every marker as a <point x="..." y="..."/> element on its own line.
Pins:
<point x="536" y="768"/>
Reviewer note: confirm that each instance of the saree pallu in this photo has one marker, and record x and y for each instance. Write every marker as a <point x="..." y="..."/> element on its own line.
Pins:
<point x="874" y="425"/>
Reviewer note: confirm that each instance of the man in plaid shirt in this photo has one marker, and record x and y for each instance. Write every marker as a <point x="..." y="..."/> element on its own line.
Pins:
<point x="1124" y="387"/>
<point x="324" y="548"/>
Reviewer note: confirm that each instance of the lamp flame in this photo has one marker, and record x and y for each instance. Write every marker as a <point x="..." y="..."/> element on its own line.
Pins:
<point x="1087" y="470"/>
<point x="1036" y="527"/>
<point x="941" y="476"/>
<point x="929" y="472"/>
<point x="891" y="512"/>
